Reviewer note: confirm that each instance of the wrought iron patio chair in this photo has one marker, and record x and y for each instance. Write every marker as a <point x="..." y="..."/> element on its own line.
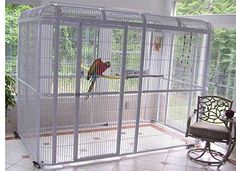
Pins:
<point x="209" y="127"/>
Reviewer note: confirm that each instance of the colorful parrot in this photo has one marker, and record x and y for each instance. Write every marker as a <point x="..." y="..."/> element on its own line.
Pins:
<point x="97" y="68"/>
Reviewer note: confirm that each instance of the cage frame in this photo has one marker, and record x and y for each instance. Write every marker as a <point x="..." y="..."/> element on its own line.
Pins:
<point x="41" y="17"/>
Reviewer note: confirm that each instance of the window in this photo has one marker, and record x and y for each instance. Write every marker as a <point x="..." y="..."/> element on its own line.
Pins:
<point x="223" y="63"/>
<point x="222" y="67"/>
<point x="195" y="7"/>
<point x="12" y="13"/>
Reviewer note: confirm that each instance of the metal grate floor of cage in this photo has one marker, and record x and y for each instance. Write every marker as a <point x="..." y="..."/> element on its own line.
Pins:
<point x="103" y="140"/>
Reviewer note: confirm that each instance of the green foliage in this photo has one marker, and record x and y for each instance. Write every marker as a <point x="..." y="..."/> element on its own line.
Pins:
<point x="223" y="61"/>
<point x="12" y="14"/>
<point x="189" y="7"/>
<point x="224" y="43"/>
<point x="10" y="92"/>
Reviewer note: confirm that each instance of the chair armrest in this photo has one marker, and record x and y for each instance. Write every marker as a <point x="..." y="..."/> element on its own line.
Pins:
<point x="189" y="121"/>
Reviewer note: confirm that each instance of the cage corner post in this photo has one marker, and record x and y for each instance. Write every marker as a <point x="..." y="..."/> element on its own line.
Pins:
<point x="37" y="82"/>
<point x="205" y="57"/>
<point x="55" y="87"/>
<point x="77" y="91"/>
<point x="18" y="62"/>
<point x="122" y="83"/>
<point x="171" y="39"/>
<point x="144" y="28"/>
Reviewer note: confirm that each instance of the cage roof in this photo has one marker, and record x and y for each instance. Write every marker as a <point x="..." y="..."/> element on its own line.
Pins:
<point x="100" y="14"/>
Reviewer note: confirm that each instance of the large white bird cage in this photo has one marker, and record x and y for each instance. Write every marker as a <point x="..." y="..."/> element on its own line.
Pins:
<point x="158" y="67"/>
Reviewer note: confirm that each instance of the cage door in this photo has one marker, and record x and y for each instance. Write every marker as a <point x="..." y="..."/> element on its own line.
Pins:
<point x="98" y="92"/>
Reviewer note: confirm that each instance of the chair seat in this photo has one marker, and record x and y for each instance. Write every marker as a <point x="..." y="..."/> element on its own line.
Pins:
<point x="209" y="131"/>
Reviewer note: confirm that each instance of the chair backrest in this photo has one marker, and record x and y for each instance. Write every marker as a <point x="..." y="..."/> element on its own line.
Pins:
<point x="210" y="108"/>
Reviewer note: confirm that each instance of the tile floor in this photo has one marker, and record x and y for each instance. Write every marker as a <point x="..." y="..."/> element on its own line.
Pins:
<point x="18" y="159"/>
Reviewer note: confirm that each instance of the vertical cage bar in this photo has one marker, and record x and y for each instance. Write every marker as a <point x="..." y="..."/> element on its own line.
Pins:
<point x="55" y="89"/>
<point x="204" y="63"/>
<point x="38" y="62"/>
<point x="160" y="85"/>
<point x="95" y="43"/>
<point x="19" y="63"/>
<point x="150" y="49"/>
<point x="97" y="39"/>
<point x="77" y="91"/>
<point x="19" y="49"/>
<point x="206" y="56"/>
<point x="169" y="76"/>
<point x="140" y="85"/>
<point x="122" y="85"/>
<point x="148" y="65"/>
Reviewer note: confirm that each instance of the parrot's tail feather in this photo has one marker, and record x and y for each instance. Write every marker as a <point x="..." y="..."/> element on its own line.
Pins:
<point x="86" y="98"/>
<point x="92" y="85"/>
<point x="90" y="88"/>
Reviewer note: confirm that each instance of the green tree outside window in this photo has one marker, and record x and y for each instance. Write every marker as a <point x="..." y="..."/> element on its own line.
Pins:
<point x="223" y="62"/>
<point x="12" y="14"/>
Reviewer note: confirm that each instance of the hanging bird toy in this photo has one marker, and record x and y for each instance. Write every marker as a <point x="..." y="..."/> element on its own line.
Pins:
<point x="157" y="43"/>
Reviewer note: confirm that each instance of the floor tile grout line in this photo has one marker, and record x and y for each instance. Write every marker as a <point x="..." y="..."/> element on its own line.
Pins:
<point x="8" y="166"/>
<point x="14" y="164"/>
<point x="165" y="159"/>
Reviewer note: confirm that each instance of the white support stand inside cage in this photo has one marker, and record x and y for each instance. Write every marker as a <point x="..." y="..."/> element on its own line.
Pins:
<point x="158" y="67"/>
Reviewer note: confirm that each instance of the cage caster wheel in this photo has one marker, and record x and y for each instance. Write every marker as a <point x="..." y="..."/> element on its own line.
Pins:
<point x="16" y="135"/>
<point x="152" y="121"/>
<point x="37" y="165"/>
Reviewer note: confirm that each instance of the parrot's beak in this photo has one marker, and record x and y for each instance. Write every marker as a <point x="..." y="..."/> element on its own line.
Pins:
<point x="108" y="64"/>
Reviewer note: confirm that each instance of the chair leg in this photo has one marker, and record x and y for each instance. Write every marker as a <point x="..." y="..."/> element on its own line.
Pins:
<point x="199" y="153"/>
<point x="203" y="150"/>
<point x="216" y="153"/>
<point x="229" y="151"/>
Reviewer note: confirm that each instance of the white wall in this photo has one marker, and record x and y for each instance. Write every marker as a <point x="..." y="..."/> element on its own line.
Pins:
<point x="161" y="7"/>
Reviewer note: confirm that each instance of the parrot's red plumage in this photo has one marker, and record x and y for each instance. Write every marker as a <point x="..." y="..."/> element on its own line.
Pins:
<point x="97" y="69"/>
